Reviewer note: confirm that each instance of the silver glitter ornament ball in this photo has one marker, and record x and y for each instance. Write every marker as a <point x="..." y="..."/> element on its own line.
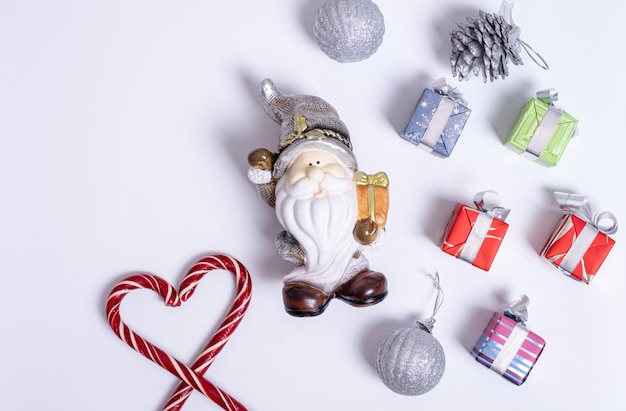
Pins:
<point x="410" y="361"/>
<point x="349" y="30"/>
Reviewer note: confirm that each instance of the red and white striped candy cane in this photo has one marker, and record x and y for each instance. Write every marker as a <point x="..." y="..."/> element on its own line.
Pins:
<point x="191" y="377"/>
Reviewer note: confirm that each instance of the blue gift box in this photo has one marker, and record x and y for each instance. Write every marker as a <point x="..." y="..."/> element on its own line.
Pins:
<point x="437" y="121"/>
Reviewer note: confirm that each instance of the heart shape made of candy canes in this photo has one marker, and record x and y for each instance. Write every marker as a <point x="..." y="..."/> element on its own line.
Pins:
<point x="191" y="377"/>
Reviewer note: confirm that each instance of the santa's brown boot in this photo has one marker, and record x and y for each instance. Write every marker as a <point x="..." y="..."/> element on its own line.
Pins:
<point x="366" y="288"/>
<point x="303" y="300"/>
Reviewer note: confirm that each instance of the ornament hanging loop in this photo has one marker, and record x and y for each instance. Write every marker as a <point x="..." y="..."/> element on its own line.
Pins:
<point x="506" y="11"/>
<point x="428" y="323"/>
<point x="536" y="57"/>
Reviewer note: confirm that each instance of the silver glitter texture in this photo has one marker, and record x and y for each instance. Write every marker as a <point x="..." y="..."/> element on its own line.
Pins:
<point x="410" y="361"/>
<point x="349" y="30"/>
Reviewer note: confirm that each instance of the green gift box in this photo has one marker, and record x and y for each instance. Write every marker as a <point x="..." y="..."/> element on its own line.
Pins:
<point x="542" y="131"/>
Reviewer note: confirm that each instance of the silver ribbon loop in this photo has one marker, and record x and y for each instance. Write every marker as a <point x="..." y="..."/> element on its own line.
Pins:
<point x="598" y="222"/>
<point x="442" y="87"/>
<point x="579" y="205"/>
<point x="548" y="96"/>
<point x="500" y="213"/>
<point x="518" y="309"/>
<point x="506" y="11"/>
<point x="536" y="57"/>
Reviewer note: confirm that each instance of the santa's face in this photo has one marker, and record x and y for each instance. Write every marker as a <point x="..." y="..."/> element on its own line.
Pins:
<point x="316" y="203"/>
<point x="316" y="173"/>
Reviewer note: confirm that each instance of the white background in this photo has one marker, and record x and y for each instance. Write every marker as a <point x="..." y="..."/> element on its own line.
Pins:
<point x="124" y="132"/>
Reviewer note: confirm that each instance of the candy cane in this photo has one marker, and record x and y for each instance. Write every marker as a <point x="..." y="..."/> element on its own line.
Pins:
<point x="226" y="328"/>
<point x="191" y="378"/>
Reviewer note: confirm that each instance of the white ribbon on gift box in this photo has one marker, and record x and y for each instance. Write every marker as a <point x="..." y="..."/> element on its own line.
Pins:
<point x="578" y="249"/>
<point x="481" y="227"/>
<point x="438" y="122"/>
<point x="449" y="98"/>
<point x="579" y="204"/>
<point x="476" y="237"/>
<point x="509" y="349"/>
<point x="518" y="311"/>
<point x="547" y="126"/>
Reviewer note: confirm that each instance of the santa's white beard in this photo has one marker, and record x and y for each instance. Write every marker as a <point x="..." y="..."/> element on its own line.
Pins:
<point x="323" y="227"/>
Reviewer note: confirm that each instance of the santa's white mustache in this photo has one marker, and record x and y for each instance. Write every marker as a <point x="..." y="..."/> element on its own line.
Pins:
<point x="330" y="184"/>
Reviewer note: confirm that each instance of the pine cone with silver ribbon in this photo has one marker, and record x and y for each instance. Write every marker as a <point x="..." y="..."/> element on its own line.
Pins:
<point x="484" y="46"/>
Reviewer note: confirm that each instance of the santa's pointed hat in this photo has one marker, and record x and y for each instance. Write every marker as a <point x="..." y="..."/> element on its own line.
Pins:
<point x="306" y="123"/>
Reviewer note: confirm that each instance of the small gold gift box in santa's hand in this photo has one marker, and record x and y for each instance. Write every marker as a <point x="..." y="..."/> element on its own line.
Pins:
<point x="373" y="199"/>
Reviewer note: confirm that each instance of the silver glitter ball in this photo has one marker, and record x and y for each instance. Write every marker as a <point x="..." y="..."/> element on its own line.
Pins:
<point x="349" y="30"/>
<point x="410" y="361"/>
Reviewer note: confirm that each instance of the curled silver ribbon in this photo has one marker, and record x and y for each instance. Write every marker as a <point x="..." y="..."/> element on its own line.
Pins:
<point x="442" y="87"/>
<point x="579" y="205"/>
<point x="548" y="96"/>
<point x="518" y="309"/>
<point x="500" y="213"/>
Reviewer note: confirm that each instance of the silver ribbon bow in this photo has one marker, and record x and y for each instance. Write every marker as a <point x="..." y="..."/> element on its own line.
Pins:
<point x="518" y="309"/>
<point x="442" y="87"/>
<point x="579" y="205"/>
<point x="548" y="96"/>
<point x="500" y="213"/>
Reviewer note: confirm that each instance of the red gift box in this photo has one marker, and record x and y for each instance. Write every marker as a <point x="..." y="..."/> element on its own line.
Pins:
<point x="580" y="242"/>
<point x="474" y="236"/>
<point x="585" y="264"/>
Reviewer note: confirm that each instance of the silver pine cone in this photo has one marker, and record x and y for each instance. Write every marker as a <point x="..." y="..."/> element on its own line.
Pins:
<point x="484" y="46"/>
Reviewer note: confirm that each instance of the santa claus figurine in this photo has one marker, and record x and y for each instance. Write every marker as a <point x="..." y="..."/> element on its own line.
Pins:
<point x="330" y="212"/>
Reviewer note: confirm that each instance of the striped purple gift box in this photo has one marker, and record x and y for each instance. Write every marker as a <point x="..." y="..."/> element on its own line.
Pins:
<point x="509" y="348"/>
